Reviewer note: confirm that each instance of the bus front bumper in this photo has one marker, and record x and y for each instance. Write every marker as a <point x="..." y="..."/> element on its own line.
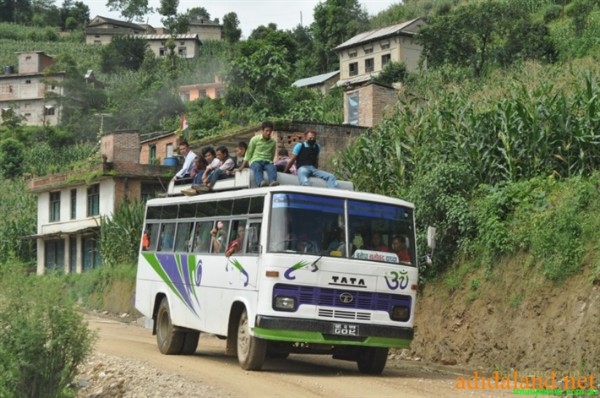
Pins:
<point x="332" y="332"/>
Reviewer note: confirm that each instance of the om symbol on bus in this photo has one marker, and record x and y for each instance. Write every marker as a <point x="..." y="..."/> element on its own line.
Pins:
<point x="397" y="280"/>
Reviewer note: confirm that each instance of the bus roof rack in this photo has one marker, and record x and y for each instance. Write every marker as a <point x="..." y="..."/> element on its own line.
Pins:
<point x="245" y="179"/>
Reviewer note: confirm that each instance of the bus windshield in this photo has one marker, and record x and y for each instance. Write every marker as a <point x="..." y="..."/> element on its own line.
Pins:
<point x="337" y="227"/>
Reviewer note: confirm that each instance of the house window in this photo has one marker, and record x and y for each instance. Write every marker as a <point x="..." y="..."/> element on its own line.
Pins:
<point x="353" y="102"/>
<point x="28" y="81"/>
<point x="54" y="206"/>
<point x="369" y="65"/>
<point x="351" y="54"/>
<point x="182" y="43"/>
<point x="185" y="97"/>
<point x="97" y="42"/>
<point x="73" y="204"/>
<point x="97" y="37"/>
<point x="48" y="110"/>
<point x="54" y="255"/>
<point x="153" y="154"/>
<point x="353" y="68"/>
<point x="385" y="46"/>
<point x="385" y="59"/>
<point x="220" y="93"/>
<point x="201" y="93"/>
<point x="169" y="150"/>
<point x="368" y="50"/>
<point x="161" y="52"/>
<point x="93" y="200"/>
<point x="182" y="52"/>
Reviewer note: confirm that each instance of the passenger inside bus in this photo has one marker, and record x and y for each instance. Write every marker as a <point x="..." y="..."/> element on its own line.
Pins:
<point x="377" y="243"/>
<point x="399" y="247"/>
<point x="218" y="236"/>
<point x="236" y="245"/>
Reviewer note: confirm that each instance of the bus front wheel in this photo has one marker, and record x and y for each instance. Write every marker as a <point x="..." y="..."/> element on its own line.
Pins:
<point x="169" y="341"/>
<point x="371" y="360"/>
<point x="251" y="351"/>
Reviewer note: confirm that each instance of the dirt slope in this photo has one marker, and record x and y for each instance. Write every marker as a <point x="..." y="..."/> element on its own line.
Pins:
<point x="511" y="319"/>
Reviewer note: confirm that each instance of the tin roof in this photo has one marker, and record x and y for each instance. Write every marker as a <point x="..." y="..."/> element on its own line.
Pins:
<point x="313" y="80"/>
<point x="408" y="27"/>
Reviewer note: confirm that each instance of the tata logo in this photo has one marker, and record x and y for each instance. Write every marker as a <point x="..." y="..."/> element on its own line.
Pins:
<point x="347" y="281"/>
<point x="346" y="298"/>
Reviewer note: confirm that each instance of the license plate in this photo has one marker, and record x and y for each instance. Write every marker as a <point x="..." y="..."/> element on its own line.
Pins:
<point x="343" y="329"/>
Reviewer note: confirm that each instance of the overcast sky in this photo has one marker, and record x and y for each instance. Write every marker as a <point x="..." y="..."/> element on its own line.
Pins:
<point x="251" y="13"/>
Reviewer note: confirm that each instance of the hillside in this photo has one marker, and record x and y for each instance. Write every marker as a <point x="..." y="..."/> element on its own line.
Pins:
<point x="512" y="318"/>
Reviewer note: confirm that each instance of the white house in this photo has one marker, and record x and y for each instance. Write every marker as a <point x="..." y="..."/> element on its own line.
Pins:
<point x="70" y="205"/>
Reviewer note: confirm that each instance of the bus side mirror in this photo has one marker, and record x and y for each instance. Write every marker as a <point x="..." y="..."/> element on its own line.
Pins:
<point x="431" y="237"/>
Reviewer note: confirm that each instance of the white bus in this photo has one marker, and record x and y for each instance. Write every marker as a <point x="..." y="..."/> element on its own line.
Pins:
<point x="317" y="270"/>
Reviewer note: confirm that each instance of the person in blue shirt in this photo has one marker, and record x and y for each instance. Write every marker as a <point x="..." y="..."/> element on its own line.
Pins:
<point x="306" y="156"/>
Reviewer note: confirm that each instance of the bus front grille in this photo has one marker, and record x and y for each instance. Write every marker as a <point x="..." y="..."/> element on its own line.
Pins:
<point x="342" y="303"/>
<point x="338" y="314"/>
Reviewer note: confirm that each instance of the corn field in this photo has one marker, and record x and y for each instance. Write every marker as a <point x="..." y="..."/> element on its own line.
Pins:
<point x="530" y="131"/>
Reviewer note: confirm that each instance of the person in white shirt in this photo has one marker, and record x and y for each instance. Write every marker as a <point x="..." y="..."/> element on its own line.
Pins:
<point x="188" y="163"/>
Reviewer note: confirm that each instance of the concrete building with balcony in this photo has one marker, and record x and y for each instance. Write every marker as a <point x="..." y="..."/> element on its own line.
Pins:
<point x="71" y="205"/>
<point x="32" y="93"/>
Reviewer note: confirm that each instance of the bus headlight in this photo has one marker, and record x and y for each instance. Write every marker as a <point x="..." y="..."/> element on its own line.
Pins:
<point x="400" y="313"/>
<point x="284" y="303"/>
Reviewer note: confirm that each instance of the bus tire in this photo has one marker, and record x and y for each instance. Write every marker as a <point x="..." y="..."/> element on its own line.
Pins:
<point x="190" y="343"/>
<point x="251" y="351"/>
<point x="169" y="340"/>
<point x="371" y="360"/>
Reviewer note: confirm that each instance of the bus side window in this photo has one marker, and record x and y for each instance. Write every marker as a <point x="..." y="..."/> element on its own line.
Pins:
<point x="184" y="232"/>
<point x="253" y="245"/>
<point x="166" y="237"/>
<point x="201" y="237"/>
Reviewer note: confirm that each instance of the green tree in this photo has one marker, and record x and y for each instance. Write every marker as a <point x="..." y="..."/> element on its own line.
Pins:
<point x="11" y="158"/>
<point x="74" y="15"/>
<point x="335" y="21"/>
<point x="123" y="52"/>
<point x="231" y="28"/>
<point x="270" y="35"/>
<point x="306" y="62"/>
<point x="43" y="336"/>
<point x="16" y="11"/>
<point x="472" y="35"/>
<point x="130" y="9"/>
<point x="258" y="78"/>
<point x="393" y="72"/>
<point x="175" y="23"/>
<point x="198" y="13"/>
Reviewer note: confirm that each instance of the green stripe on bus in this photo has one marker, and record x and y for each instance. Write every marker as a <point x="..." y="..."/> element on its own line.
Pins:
<point x="316" y="337"/>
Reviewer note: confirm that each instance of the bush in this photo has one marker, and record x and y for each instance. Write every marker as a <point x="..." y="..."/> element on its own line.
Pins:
<point x="552" y="13"/>
<point x="43" y="338"/>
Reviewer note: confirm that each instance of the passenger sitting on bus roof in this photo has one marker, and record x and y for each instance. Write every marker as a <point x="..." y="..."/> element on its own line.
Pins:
<point x="282" y="160"/>
<point x="198" y="170"/>
<point x="260" y="155"/>
<point x="188" y="163"/>
<point x="399" y="247"/>
<point x="235" y="246"/>
<point x="377" y="243"/>
<point x="240" y="152"/>
<point x="216" y="170"/>
<point x="306" y="156"/>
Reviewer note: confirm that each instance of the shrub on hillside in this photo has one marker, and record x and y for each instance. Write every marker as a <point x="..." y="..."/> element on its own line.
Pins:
<point x="43" y="338"/>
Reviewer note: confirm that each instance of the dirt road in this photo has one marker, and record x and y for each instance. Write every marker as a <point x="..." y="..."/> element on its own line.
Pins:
<point x="297" y="376"/>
